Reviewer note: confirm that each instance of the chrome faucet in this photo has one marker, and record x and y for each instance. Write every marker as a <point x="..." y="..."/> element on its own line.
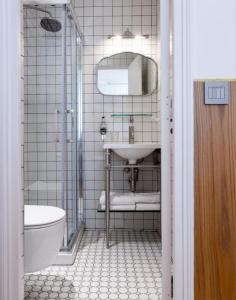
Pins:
<point x="131" y="130"/>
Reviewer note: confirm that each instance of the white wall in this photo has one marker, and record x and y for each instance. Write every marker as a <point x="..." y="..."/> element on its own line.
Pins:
<point x="214" y="38"/>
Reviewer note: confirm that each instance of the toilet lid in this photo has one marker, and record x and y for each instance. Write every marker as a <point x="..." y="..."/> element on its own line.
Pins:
<point x="37" y="215"/>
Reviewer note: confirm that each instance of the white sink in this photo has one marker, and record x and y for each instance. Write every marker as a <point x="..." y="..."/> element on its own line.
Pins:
<point x="132" y="152"/>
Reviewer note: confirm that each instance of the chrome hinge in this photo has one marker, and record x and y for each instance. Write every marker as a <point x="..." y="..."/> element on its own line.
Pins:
<point x="172" y="286"/>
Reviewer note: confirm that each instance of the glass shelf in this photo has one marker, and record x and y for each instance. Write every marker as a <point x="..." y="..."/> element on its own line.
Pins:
<point x="132" y="114"/>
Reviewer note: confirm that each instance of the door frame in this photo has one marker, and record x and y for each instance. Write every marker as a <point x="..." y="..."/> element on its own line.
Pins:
<point x="166" y="223"/>
<point x="11" y="132"/>
<point x="183" y="164"/>
<point x="177" y="204"/>
<point x="183" y="201"/>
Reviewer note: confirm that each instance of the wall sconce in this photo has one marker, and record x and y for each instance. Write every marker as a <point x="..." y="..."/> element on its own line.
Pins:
<point x="127" y="34"/>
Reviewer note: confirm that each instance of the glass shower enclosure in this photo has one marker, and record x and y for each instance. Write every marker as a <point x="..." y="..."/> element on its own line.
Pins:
<point x="53" y="112"/>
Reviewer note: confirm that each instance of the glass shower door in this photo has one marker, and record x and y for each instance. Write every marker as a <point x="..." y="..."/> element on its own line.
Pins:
<point x="53" y="110"/>
<point x="72" y="83"/>
<point x="43" y="97"/>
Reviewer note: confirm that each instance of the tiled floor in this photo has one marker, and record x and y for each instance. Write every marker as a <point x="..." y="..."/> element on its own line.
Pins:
<point x="130" y="269"/>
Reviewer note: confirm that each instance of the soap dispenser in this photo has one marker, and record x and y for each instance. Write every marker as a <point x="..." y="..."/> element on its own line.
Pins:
<point x="103" y="128"/>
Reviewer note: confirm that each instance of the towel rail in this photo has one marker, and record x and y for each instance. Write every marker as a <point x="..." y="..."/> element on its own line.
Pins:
<point x="101" y="210"/>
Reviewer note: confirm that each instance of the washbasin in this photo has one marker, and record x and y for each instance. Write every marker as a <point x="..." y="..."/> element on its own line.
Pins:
<point x="132" y="152"/>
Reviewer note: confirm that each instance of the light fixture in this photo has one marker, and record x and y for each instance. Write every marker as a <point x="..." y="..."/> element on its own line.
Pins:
<point x="127" y="34"/>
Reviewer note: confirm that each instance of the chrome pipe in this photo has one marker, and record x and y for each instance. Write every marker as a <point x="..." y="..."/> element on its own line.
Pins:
<point x="132" y="180"/>
<point x="71" y="12"/>
<point x="38" y="9"/>
<point x="131" y="130"/>
<point x="107" y="189"/>
<point x="64" y="165"/>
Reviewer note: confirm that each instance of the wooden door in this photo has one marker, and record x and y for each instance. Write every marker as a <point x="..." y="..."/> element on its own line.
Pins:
<point x="215" y="197"/>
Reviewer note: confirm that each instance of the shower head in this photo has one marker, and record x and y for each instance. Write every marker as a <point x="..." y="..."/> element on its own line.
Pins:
<point x="47" y="23"/>
<point x="50" y="24"/>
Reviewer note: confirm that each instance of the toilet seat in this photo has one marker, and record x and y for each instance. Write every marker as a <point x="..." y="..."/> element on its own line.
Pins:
<point x="42" y="216"/>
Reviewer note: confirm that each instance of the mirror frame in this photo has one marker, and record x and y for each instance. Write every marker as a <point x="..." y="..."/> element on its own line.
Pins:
<point x="97" y="67"/>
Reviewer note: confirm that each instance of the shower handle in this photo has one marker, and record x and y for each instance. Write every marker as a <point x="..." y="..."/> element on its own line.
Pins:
<point x="57" y="112"/>
<point x="72" y="112"/>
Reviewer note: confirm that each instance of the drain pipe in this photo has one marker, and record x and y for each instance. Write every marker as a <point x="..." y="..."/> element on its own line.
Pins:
<point x="133" y="179"/>
<point x="134" y="173"/>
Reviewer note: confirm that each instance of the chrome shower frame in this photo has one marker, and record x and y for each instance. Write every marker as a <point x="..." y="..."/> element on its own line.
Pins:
<point x="71" y="242"/>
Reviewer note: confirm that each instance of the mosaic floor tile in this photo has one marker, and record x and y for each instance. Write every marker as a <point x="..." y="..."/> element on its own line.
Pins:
<point x="130" y="269"/>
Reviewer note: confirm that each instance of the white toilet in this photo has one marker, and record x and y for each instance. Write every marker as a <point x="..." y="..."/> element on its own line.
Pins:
<point x="43" y="235"/>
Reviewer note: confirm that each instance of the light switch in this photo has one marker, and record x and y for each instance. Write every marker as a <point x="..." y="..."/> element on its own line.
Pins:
<point x="216" y="92"/>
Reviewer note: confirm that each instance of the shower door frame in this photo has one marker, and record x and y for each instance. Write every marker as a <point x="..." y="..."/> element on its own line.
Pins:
<point x="77" y="38"/>
<point x="11" y="129"/>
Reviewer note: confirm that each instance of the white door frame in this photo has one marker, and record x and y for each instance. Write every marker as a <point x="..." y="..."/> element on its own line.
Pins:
<point x="183" y="202"/>
<point x="166" y="222"/>
<point x="183" y="188"/>
<point x="11" y="196"/>
<point x="10" y="187"/>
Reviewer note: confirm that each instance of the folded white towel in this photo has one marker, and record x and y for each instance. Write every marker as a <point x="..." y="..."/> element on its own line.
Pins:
<point x="137" y="207"/>
<point x="130" y="198"/>
<point x="148" y="206"/>
<point x="120" y="207"/>
<point x="147" y="197"/>
<point x="118" y="198"/>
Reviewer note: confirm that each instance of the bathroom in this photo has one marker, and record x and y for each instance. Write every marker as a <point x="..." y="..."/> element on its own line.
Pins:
<point x="92" y="155"/>
<point x="117" y="153"/>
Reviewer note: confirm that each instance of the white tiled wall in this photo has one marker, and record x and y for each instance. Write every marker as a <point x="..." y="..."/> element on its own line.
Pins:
<point x="100" y="18"/>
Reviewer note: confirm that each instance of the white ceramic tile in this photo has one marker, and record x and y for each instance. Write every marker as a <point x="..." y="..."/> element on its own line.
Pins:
<point x="130" y="269"/>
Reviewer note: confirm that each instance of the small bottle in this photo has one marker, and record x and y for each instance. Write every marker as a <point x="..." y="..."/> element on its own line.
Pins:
<point x="103" y="128"/>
